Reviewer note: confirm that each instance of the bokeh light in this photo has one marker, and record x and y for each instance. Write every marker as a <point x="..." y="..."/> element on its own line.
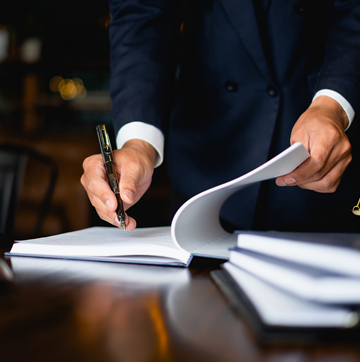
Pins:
<point x="54" y="83"/>
<point x="68" y="88"/>
<point x="78" y="81"/>
<point x="80" y="91"/>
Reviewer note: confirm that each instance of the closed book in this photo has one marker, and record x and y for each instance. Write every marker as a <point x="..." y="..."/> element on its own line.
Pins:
<point x="277" y="317"/>
<point x="301" y="280"/>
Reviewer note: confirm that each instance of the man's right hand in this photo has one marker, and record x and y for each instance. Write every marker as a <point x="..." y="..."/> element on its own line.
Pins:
<point x="135" y="166"/>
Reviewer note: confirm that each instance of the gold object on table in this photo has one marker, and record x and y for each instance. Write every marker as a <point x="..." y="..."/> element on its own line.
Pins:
<point x="356" y="209"/>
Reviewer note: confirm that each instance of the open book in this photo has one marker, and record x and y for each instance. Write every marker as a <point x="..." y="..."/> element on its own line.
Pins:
<point x="195" y="228"/>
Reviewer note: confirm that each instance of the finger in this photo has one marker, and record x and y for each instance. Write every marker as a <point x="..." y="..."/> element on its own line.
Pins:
<point x="103" y="210"/>
<point x="95" y="183"/>
<point x="316" y="167"/>
<point x="330" y="182"/>
<point x="112" y="218"/>
<point x="130" y="178"/>
<point x="321" y="160"/>
<point x="129" y="222"/>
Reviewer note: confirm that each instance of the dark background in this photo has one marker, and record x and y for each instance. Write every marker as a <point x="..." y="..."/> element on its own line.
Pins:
<point x="73" y="40"/>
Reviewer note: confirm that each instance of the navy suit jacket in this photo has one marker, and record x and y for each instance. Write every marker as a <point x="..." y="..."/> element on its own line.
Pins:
<point x="227" y="90"/>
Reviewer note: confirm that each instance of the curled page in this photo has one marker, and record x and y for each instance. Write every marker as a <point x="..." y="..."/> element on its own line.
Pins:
<point x="196" y="226"/>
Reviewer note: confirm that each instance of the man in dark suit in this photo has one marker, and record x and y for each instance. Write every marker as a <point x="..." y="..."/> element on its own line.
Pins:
<point x="227" y="83"/>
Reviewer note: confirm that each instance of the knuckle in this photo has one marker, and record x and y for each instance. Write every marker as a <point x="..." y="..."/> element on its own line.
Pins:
<point x="318" y="162"/>
<point x="318" y="175"/>
<point x="328" y="186"/>
<point x="349" y="159"/>
<point x="103" y="196"/>
<point x="347" y="147"/>
<point x="333" y="135"/>
<point x="86" y="162"/>
<point x="91" y="185"/>
<point x="90" y="161"/>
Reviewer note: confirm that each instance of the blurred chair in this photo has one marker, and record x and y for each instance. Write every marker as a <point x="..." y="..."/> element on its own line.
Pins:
<point x="13" y="165"/>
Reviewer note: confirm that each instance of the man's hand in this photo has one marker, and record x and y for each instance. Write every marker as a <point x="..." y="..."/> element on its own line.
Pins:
<point x="135" y="165"/>
<point x="321" y="130"/>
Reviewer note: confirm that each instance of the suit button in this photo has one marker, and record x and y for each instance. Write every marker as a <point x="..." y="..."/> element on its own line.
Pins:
<point x="299" y="8"/>
<point x="231" y="86"/>
<point x="271" y="91"/>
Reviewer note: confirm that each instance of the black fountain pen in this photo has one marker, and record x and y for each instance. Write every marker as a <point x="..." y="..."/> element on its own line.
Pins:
<point x="109" y="164"/>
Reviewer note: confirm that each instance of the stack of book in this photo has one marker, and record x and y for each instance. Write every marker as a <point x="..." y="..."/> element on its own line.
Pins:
<point x="295" y="286"/>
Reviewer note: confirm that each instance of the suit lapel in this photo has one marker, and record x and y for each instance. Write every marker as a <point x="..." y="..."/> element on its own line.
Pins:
<point x="242" y="16"/>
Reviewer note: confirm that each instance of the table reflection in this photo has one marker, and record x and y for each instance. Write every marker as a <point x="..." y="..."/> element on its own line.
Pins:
<point x="88" y="310"/>
<point x="65" y="310"/>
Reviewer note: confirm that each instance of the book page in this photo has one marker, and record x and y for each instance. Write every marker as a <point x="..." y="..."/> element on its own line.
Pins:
<point x="307" y="283"/>
<point x="343" y="260"/>
<point x="277" y="308"/>
<point x="105" y="242"/>
<point x="196" y="226"/>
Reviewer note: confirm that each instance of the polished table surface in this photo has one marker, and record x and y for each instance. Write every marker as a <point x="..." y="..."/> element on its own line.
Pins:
<point x="62" y="310"/>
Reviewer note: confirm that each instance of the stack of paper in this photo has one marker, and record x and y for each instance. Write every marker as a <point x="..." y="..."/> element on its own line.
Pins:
<point x="292" y="281"/>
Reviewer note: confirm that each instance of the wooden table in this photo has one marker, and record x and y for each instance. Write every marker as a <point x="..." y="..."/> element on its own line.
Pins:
<point x="59" y="310"/>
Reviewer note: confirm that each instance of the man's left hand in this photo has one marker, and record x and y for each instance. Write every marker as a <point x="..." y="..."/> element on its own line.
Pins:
<point x="321" y="130"/>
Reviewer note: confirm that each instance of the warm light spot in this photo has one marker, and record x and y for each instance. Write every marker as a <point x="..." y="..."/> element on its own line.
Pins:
<point x="54" y="83"/>
<point x="68" y="88"/>
<point x="80" y="91"/>
<point x="78" y="81"/>
<point x="159" y="326"/>
<point x="105" y="20"/>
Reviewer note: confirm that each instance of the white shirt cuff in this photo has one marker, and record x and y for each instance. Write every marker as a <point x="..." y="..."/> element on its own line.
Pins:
<point x="346" y="106"/>
<point x="145" y="132"/>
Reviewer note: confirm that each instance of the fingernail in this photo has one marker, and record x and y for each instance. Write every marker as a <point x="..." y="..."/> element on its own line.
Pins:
<point x="281" y="183"/>
<point x="129" y="196"/>
<point x="289" y="181"/>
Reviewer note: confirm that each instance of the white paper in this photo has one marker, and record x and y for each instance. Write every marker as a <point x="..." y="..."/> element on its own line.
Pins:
<point x="106" y="242"/>
<point x="277" y="308"/>
<point x="317" y="287"/>
<point x="331" y="258"/>
<point x="196" y="226"/>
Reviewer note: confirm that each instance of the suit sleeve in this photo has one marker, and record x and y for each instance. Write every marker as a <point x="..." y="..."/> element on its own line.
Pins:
<point x="142" y="34"/>
<point x="341" y="68"/>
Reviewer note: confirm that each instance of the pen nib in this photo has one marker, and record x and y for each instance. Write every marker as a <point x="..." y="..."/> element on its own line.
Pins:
<point x="122" y="223"/>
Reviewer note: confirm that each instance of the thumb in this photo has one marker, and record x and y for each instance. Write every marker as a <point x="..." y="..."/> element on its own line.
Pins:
<point x="128" y="187"/>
